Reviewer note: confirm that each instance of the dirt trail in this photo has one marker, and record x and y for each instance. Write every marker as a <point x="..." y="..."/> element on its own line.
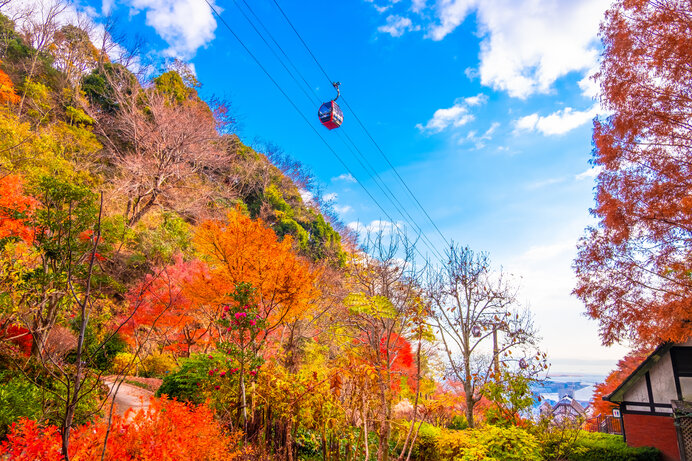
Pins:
<point x="128" y="396"/>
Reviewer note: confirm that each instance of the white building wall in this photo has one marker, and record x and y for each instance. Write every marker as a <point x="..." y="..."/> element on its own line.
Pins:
<point x="638" y="392"/>
<point x="663" y="381"/>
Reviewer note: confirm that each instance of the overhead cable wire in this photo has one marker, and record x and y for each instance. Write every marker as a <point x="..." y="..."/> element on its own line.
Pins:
<point x="293" y="104"/>
<point x="360" y="157"/>
<point x="283" y="13"/>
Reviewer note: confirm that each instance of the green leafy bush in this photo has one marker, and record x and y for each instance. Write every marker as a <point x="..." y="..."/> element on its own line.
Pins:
<point x="453" y="444"/>
<point x="157" y="366"/>
<point x="185" y="383"/>
<point x="18" y="397"/>
<point x="506" y="443"/>
<point x="594" y="446"/>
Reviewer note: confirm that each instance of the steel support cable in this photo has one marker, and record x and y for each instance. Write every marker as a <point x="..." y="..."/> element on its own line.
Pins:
<point x="273" y="52"/>
<point x="361" y="158"/>
<point x="278" y="45"/>
<point x="362" y="125"/>
<point x="363" y="161"/>
<point x="293" y="104"/>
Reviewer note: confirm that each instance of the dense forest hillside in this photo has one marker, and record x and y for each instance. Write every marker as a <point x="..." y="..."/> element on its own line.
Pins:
<point x="142" y="241"/>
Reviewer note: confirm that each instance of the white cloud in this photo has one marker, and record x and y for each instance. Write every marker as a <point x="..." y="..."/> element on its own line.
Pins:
<point x="417" y="5"/>
<point x="330" y="197"/>
<point x="346" y="177"/>
<point x="343" y="209"/>
<point x="375" y="227"/>
<point x="397" y="25"/>
<point x="107" y="7"/>
<point x="455" y="116"/>
<point x="186" y="25"/>
<point x="589" y="174"/>
<point x="306" y="195"/>
<point x="557" y="123"/>
<point x="479" y="140"/>
<point x="544" y="183"/>
<point x="527" y="44"/>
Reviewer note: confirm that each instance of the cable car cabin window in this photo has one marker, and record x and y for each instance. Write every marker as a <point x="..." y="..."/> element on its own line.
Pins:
<point x="325" y="112"/>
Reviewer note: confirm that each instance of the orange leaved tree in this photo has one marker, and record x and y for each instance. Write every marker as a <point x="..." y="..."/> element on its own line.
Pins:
<point x="633" y="268"/>
<point x="162" y="312"/>
<point x="15" y="207"/>
<point x="625" y="367"/>
<point x="243" y="250"/>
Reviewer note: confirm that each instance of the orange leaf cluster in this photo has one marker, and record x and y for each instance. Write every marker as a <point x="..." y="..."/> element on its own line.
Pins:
<point x="625" y="367"/>
<point x="7" y="93"/>
<point x="245" y="250"/>
<point x="167" y="430"/>
<point x="15" y="207"/>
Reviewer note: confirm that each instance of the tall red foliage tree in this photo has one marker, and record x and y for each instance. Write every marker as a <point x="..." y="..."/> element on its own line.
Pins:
<point x="162" y="313"/>
<point x="625" y="367"/>
<point x="634" y="268"/>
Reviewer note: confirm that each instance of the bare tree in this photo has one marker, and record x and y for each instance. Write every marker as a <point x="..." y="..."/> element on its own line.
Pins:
<point x="474" y="305"/>
<point x="159" y="147"/>
<point x="386" y="294"/>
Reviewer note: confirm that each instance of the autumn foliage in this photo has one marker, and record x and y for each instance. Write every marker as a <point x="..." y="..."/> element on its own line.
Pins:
<point x="7" y="93"/>
<point x="634" y="267"/>
<point x="167" y="430"/>
<point x="242" y="249"/>
<point x="625" y="367"/>
<point x="15" y="208"/>
<point x="161" y="310"/>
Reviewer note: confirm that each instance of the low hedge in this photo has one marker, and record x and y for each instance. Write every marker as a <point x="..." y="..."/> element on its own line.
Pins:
<point x="489" y="443"/>
<point x="594" y="446"/>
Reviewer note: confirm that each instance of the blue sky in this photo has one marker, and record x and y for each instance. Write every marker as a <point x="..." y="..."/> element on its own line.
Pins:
<point x="484" y="107"/>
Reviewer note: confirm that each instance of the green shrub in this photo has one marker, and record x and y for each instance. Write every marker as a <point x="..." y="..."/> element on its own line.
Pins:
<point x="18" y="397"/>
<point x="453" y="444"/>
<point x="594" y="446"/>
<point x="157" y="366"/>
<point x="184" y="384"/>
<point x="506" y="443"/>
<point x="425" y="446"/>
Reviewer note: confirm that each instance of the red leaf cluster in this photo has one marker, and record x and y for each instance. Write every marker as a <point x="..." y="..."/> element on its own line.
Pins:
<point x="15" y="208"/>
<point x="167" y="430"/>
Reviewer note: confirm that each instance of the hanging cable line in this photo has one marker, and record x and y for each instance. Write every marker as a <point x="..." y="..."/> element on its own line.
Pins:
<point x="283" y="13"/>
<point x="306" y="120"/>
<point x="360" y="157"/>
<point x="272" y="50"/>
<point x="271" y="37"/>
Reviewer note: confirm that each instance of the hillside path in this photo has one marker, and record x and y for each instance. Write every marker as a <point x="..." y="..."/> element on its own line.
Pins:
<point x="128" y="396"/>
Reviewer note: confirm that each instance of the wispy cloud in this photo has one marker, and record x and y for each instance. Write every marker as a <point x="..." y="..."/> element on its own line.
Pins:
<point x="375" y="227"/>
<point x="557" y="123"/>
<point x="544" y="183"/>
<point x="343" y="209"/>
<point x="396" y="26"/>
<point x="480" y="140"/>
<point x="589" y="174"/>
<point x="457" y="115"/>
<point x="346" y="177"/>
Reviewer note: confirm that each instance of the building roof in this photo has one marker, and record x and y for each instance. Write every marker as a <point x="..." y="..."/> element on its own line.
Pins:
<point x="618" y="395"/>
<point x="568" y="401"/>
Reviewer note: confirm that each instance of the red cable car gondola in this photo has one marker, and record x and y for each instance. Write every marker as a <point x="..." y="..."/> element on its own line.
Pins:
<point x="330" y="113"/>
